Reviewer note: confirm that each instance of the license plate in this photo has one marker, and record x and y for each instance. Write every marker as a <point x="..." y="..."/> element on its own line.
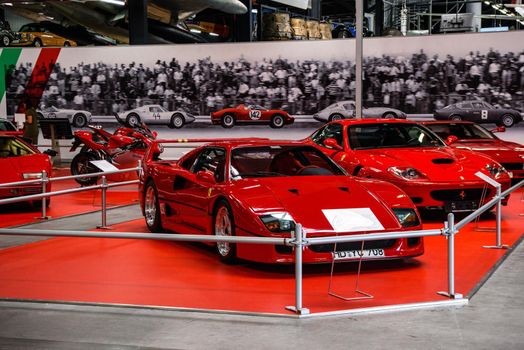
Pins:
<point x="357" y="254"/>
<point x="459" y="206"/>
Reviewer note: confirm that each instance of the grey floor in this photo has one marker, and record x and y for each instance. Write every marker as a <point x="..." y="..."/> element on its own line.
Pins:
<point x="494" y="319"/>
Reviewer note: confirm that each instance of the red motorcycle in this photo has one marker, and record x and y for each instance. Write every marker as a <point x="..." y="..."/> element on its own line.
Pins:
<point x="124" y="148"/>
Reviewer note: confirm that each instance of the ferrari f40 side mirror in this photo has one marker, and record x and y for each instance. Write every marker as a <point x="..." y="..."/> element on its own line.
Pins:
<point x="332" y="143"/>
<point x="451" y="139"/>
<point x="499" y="129"/>
<point x="206" y="177"/>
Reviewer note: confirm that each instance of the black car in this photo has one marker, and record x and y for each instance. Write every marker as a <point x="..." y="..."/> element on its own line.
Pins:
<point x="6" y="34"/>
<point x="479" y="112"/>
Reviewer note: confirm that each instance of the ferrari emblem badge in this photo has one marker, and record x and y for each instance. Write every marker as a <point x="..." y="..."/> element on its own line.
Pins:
<point x="462" y="195"/>
<point x="209" y="190"/>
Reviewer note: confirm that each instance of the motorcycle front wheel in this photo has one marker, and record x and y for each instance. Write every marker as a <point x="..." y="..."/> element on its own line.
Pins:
<point x="81" y="165"/>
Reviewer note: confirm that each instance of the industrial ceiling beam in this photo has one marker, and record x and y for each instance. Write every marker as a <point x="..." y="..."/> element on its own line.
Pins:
<point x="138" y="31"/>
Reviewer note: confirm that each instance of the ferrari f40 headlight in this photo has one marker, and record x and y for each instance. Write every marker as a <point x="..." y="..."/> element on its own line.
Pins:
<point x="407" y="173"/>
<point x="496" y="171"/>
<point x="30" y="176"/>
<point x="407" y="217"/>
<point x="278" y="222"/>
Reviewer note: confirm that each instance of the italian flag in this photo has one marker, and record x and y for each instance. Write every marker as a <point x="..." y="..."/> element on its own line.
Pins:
<point x="39" y="62"/>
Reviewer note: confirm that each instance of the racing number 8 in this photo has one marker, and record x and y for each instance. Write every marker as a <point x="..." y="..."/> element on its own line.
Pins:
<point x="484" y="114"/>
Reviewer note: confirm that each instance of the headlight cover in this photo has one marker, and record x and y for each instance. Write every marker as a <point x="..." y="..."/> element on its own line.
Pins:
<point x="496" y="171"/>
<point x="407" y="173"/>
<point x="407" y="217"/>
<point x="30" y="176"/>
<point x="278" y="222"/>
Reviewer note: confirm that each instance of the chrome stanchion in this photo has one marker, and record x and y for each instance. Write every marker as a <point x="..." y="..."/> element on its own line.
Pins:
<point x="498" y="227"/>
<point x="104" y="205"/>
<point x="45" y="181"/>
<point x="498" y="188"/>
<point x="299" y="245"/>
<point x="449" y="231"/>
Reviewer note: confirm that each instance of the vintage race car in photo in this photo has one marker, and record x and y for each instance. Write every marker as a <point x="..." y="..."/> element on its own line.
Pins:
<point x="251" y="114"/>
<point x="479" y="112"/>
<point x="263" y="188"/>
<point x="77" y="118"/>
<point x="20" y="161"/>
<point x="156" y="114"/>
<point x="433" y="174"/>
<point x="473" y="137"/>
<point x="346" y="110"/>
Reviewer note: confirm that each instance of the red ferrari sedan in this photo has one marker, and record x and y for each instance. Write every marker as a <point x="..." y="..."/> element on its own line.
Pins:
<point x="262" y="188"/>
<point x="251" y="114"/>
<point x="407" y="154"/>
<point x="21" y="161"/>
<point x="473" y="137"/>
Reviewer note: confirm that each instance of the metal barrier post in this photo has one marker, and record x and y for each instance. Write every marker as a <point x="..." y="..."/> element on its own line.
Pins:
<point x="299" y="245"/>
<point x="45" y="180"/>
<point x="104" y="205"/>
<point x="449" y="228"/>
<point x="499" y="244"/>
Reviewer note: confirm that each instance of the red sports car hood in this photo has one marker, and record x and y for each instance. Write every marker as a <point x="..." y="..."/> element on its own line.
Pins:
<point x="502" y="151"/>
<point x="305" y="198"/>
<point x="440" y="164"/>
<point x="14" y="167"/>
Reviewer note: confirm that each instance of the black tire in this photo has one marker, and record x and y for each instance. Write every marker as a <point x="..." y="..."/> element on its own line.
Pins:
<point x="389" y="115"/>
<point x="81" y="165"/>
<point x="507" y="120"/>
<point x="335" y="116"/>
<point x="67" y="44"/>
<point x="177" y="121"/>
<point x="5" y="41"/>
<point x="455" y="117"/>
<point x="80" y="120"/>
<point x="226" y="251"/>
<point x="133" y="119"/>
<point x="277" y="121"/>
<point x="152" y="208"/>
<point x="37" y="43"/>
<point x="228" y="121"/>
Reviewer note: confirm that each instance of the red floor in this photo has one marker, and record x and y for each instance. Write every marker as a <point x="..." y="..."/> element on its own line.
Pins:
<point x="69" y="204"/>
<point x="190" y="275"/>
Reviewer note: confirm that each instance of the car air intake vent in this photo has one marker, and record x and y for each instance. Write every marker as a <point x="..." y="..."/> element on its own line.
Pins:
<point x="345" y="189"/>
<point x="293" y="190"/>
<point x="442" y="161"/>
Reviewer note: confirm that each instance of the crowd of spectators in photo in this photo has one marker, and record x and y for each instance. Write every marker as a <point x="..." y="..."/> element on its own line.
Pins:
<point x="419" y="83"/>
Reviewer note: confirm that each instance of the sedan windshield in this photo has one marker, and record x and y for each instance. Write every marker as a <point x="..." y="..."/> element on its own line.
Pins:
<point x="6" y="126"/>
<point x="269" y="161"/>
<point x="391" y="135"/>
<point x="13" y="147"/>
<point x="462" y="131"/>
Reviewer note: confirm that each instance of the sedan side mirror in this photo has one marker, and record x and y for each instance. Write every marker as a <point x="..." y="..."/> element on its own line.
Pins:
<point x="451" y="139"/>
<point x="332" y="143"/>
<point x="206" y="177"/>
<point x="50" y="152"/>
<point x="499" y="129"/>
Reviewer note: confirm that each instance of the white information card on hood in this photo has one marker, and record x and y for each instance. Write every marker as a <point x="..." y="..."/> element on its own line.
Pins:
<point x="352" y="220"/>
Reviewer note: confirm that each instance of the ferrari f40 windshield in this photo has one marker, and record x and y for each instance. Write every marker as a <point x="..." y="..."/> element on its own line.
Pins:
<point x="462" y="131"/>
<point x="391" y="135"/>
<point x="266" y="161"/>
<point x="12" y="147"/>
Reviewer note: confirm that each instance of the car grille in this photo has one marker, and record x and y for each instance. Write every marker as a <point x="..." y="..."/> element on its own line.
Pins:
<point x="459" y="195"/>
<point x="513" y="166"/>
<point x="343" y="247"/>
